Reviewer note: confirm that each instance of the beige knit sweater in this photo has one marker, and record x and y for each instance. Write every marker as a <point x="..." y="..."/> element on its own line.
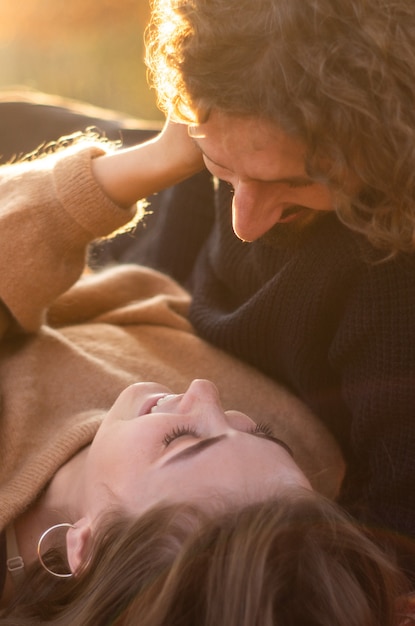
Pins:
<point x="70" y="344"/>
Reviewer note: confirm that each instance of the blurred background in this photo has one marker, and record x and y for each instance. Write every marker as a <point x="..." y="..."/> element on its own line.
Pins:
<point x="90" y="50"/>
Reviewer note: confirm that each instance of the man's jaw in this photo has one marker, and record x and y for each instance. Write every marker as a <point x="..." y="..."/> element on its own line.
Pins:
<point x="291" y="227"/>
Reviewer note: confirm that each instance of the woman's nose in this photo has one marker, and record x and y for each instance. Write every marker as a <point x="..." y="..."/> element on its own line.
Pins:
<point x="202" y="390"/>
<point x="202" y="400"/>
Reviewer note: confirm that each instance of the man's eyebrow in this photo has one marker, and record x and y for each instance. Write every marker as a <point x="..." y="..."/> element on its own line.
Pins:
<point x="192" y="451"/>
<point x="206" y="155"/>
<point x="288" y="180"/>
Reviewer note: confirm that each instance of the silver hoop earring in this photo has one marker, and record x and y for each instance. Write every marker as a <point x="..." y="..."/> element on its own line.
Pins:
<point x="39" y="547"/>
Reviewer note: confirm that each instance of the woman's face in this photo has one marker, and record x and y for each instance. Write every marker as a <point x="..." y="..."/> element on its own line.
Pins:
<point x="156" y="446"/>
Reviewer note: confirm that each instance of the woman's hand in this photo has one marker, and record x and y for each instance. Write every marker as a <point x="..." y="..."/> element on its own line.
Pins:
<point x="129" y="175"/>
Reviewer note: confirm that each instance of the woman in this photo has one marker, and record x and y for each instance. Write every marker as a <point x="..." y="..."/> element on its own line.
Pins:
<point x="70" y="348"/>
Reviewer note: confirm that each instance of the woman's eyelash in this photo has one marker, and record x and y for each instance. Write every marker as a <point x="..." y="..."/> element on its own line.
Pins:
<point x="264" y="428"/>
<point x="182" y="431"/>
<point x="179" y="431"/>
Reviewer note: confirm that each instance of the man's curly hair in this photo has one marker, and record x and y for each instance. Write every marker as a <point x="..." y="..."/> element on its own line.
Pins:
<point x="338" y="74"/>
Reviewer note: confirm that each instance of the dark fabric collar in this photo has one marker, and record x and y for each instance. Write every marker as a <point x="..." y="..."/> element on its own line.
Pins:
<point x="3" y="559"/>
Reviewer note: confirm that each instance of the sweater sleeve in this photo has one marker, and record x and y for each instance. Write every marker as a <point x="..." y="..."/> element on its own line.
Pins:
<point x="50" y="209"/>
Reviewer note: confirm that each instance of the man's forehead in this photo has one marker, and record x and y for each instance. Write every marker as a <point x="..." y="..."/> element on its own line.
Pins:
<point x="251" y="147"/>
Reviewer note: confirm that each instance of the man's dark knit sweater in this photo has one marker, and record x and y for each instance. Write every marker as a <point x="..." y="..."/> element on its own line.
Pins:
<point x="320" y="316"/>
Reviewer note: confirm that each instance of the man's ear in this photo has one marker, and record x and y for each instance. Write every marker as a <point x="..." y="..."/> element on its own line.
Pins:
<point x="77" y="543"/>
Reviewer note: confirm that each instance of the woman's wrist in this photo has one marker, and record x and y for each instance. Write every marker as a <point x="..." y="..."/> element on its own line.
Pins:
<point x="129" y="175"/>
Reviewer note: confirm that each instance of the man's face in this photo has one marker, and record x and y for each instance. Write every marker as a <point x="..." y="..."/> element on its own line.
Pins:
<point x="265" y="167"/>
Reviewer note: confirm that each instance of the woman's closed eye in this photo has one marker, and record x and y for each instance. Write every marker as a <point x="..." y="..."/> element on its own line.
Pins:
<point x="262" y="428"/>
<point x="266" y="430"/>
<point x="179" y="431"/>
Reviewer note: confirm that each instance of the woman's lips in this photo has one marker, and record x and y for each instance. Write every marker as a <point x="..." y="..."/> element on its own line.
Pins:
<point x="150" y="403"/>
<point x="162" y="400"/>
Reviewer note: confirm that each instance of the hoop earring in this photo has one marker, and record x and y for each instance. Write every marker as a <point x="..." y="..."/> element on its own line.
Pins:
<point x="39" y="546"/>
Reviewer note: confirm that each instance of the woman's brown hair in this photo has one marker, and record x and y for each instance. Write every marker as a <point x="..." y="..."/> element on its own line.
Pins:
<point x="338" y="74"/>
<point x="295" y="560"/>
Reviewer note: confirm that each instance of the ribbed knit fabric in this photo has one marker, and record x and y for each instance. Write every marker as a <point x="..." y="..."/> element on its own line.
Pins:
<point x="340" y="331"/>
<point x="3" y="564"/>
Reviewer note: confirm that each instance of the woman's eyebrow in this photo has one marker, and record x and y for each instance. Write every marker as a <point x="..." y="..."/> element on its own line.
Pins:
<point x="195" y="449"/>
<point x="206" y="443"/>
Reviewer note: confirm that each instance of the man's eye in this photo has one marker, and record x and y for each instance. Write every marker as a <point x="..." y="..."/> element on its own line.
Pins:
<point x="179" y="431"/>
<point x="300" y="184"/>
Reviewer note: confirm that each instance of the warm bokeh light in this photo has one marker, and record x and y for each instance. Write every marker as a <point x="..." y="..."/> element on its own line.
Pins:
<point x="86" y="49"/>
<point x="40" y="20"/>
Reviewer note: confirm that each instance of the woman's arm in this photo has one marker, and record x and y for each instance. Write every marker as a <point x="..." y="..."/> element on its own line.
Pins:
<point x="50" y="210"/>
<point x="135" y="173"/>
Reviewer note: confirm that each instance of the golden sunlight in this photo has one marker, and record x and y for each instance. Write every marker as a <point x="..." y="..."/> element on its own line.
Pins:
<point x="48" y="19"/>
<point x="89" y="50"/>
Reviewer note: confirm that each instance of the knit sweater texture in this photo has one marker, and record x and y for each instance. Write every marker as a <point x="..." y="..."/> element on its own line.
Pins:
<point x="71" y="342"/>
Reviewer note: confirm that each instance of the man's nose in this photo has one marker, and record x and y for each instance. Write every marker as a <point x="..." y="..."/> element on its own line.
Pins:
<point x="254" y="211"/>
